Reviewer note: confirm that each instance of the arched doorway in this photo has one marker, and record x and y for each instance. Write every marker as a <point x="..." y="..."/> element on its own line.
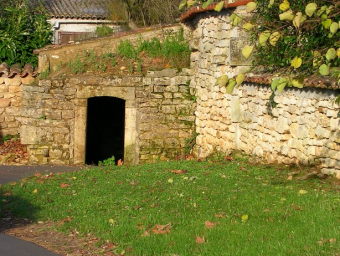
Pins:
<point x="105" y="128"/>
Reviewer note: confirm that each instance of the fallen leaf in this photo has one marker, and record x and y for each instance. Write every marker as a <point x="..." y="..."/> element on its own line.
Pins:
<point x="162" y="229"/>
<point x="146" y="233"/>
<point x="120" y="162"/>
<point x="132" y="183"/>
<point x="13" y="183"/>
<point x="209" y="224"/>
<point x="35" y="191"/>
<point x="332" y="240"/>
<point x="303" y="192"/>
<point x="219" y="216"/>
<point x="137" y="207"/>
<point x="290" y="177"/>
<point x="200" y="240"/>
<point x="171" y="180"/>
<point x="37" y="174"/>
<point x="64" y="185"/>
<point x="245" y="217"/>
<point x="179" y="171"/>
<point x="296" y="207"/>
<point x="62" y="222"/>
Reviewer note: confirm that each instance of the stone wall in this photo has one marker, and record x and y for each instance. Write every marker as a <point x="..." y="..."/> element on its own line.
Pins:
<point x="304" y="127"/>
<point x="159" y="116"/>
<point x="10" y="103"/>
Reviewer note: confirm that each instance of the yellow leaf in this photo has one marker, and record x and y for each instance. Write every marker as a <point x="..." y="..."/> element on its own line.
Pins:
<point x="171" y="180"/>
<point x="299" y="19"/>
<point x="240" y="78"/>
<point x="182" y="4"/>
<point x="35" y="191"/>
<point x="284" y="5"/>
<point x="222" y="80"/>
<point x="274" y="37"/>
<point x="247" y="51"/>
<point x="338" y="52"/>
<point x="303" y="192"/>
<point x="298" y="82"/>
<point x="324" y="70"/>
<point x="111" y="221"/>
<point x="230" y="86"/>
<point x="219" y="6"/>
<point x="271" y="2"/>
<point x="251" y="6"/>
<point x="296" y="62"/>
<point x="334" y="27"/>
<point x="264" y="37"/>
<point x="248" y="26"/>
<point x="245" y="217"/>
<point x="288" y="15"/>
<point x="310" y="9"/>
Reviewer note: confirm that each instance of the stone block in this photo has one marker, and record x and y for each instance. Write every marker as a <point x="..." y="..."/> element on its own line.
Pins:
<point x="15" y="81"/>
<point x="27" y="80"/>
<point x="4" y="103"/>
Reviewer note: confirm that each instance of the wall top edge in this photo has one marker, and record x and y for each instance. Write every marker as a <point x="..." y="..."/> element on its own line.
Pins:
<point x="314" y="81"/>
<point x="193" y="11"/>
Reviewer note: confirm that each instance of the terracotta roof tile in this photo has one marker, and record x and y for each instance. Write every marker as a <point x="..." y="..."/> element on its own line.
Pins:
<point x="315" y="81"/>
<point x="76" y="9"/>
<point x="193" y="11"/>
<point x="14" y="70"/>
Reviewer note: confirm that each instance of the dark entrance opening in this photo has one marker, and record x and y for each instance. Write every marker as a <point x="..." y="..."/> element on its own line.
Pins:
<point x="104" y="129"/>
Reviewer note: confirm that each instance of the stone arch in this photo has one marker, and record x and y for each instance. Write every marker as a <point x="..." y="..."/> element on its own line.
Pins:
<point x="131" y="149"/>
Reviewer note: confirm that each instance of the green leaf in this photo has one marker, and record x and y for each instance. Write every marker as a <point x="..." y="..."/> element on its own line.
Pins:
<point x="326" y="23"/>
<point x="331" y="54"/>
<point x="334" y="27"/>
<point x="240" y="78"/>
<point x="182" y="4"/>
<point x="324" y="70"/>
<point x="251" y="6"/>
<point x="222" y="80"/>
<point x="288" y="15"/>
<point x="282" y="84"/>
<point x="231" y="85"/>
<point x="274" y="84"/>
<point x="296" y="62"/>
<point x="247" y="51"/>
<point x="207" y="3"/>
<point x="274" y="37"/>
<point x="219" y="6"/>
<point x="264" y="37"/>
<point x="310" y="9"/>
<point x="191" y="2"/>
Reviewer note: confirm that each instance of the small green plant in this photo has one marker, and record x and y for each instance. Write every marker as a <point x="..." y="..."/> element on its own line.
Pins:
<point x="45" y="74"/>
<point x="108" y="162"/>
<point x="130" y="68"/>
<point x="139" y="65"/>
<point x="190" y="143"/>
<point x="103" y="30"/>
<point x="102" y="67"/>
<point x="43" y="117"/>
<point x="113" y="62"/>
<point x="9" y="137"/>
<point x="77" y="66"/>
<point x="126" y="49"/>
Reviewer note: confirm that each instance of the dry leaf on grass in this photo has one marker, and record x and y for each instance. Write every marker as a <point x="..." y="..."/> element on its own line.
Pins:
<point x="209" y="224"/>
<point x="162" y="229"/>
<point x="62" y="222"/>
<point x="200" y="240"/>
<point x="64" y="185"/>
<point x="179" y="171"/>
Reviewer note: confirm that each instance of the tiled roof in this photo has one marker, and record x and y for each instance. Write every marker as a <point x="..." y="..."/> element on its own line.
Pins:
<point x="14" y="70"/>
<point x="315" y="81"/>
<point x="76" y="9"/>
<point x="193" y="11"/>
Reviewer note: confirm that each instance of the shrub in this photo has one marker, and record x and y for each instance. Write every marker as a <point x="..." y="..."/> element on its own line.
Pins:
<point x="23" y="28"/>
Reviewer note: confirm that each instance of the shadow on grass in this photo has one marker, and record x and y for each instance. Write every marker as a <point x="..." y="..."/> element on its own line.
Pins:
<point x="15" y="211"/>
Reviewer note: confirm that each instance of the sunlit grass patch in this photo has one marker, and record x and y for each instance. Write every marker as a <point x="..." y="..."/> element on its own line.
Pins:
<point x="188" y="208"/>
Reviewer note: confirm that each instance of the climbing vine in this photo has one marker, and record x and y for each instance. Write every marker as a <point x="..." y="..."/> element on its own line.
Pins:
<point x="299" y="38"/>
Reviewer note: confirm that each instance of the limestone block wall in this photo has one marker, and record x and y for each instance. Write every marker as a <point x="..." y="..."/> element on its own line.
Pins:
<point x="304" y="127"/>
<point x="10" y="103"/>
<point x="158" y="108"/>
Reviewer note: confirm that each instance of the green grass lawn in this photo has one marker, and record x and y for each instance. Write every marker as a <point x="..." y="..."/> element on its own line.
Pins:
<point x="188" y="208"/>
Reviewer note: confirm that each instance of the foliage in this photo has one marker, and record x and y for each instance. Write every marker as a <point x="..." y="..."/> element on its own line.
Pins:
<point x="235" y="208"/>
<point x="145" y="12"/>
<point x="23" y="28"/>
<point x="108" y="162"/>
<point x="103" y="30"/>
<point x="190" y="143"/>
